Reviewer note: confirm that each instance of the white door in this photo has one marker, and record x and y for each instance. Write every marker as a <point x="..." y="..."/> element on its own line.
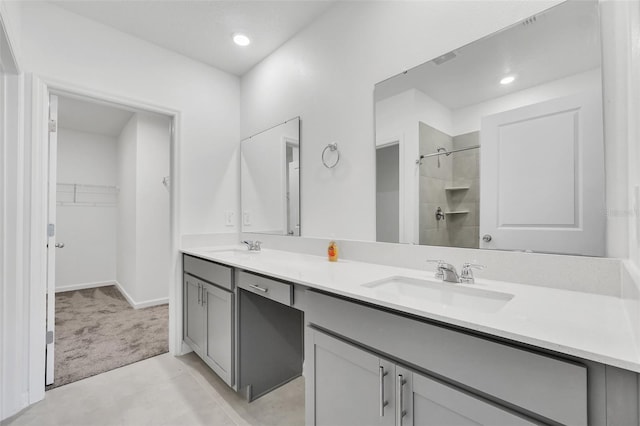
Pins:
<point x="542" y="177"/>
<point x="51" y="238"/>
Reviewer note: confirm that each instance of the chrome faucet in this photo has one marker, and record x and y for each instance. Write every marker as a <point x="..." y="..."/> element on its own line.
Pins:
<point x="448" y="273"/>
<point x="252" y="245"/>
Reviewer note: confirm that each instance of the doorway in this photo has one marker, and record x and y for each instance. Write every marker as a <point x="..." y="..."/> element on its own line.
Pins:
<point x="292" y="183"/>
<point x="109" y="220"/>
<point x="388" y="193"/>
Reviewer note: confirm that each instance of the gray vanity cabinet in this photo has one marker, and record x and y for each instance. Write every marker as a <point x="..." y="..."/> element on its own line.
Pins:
<point x="218" y="346"/>
<point x="346" y="384"/>
<point x="487" y="382"/>
<point x="194" y="314"/>
<point x="426" y="401"/>
<point x="209" y="314"/>
<point x="352" y="386"/>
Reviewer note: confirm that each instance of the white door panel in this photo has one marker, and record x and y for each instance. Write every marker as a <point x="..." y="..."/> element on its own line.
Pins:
<point x="542" y="177"/>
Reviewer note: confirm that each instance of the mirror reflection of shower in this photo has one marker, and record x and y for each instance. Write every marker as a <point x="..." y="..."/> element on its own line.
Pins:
<point x="449" y="181"/>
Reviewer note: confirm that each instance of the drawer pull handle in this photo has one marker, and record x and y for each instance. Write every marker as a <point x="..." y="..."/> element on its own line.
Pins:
<point x="400" y="413"/>
<point x="383" y="403"/>
<point x="256" y="287"/>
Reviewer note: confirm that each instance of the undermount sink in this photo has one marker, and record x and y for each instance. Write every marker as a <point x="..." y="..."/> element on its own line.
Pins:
<point x="228" y="250"/>
<point x="235" y="252"/>
<point x="443" y="295"/>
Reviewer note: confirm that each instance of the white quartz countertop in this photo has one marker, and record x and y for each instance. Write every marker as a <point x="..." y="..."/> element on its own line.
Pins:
<point x="589" y="326"/>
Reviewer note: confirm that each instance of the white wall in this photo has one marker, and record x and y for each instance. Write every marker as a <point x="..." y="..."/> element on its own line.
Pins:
<point x="634" y="133"/>
<point x="126" y="272"/>
<point x="152" y="210"/>
<point x="433" y="113"/>
<point x="14" y="274"/>
<point x="11" y="17"/>
<point x="88" y="232"/>
<point x="143" y="257"/>
<point x="326" y="74"/>
<point x="110" y="61"/>
<point x="617" y="20"/>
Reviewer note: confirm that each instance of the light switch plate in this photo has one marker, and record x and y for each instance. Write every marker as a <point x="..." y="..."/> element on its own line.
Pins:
<point x="246" y="218"/>
<point x="228" y="217"/>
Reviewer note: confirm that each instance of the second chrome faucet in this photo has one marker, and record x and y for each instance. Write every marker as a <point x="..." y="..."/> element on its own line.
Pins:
<point x="252" y="245"/>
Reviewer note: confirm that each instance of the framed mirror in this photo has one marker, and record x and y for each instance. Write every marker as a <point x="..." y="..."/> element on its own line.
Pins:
<point x="270" y="180"/>
<point x="498" y="144"/>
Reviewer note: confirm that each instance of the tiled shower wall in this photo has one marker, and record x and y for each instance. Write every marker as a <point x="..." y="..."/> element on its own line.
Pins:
<point x="439" y="173"/>
<point x="436" y="173"/>
<point x="464" y="228"/>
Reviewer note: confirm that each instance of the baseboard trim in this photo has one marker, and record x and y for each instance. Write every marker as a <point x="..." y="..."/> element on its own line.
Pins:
<point x="140" y="305"/>
<point x="153" y="302"/>
<point x="184" y="349"/>
<point x="83" y="286"/>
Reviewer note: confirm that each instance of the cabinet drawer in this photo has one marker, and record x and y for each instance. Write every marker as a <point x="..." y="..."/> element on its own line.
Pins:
<point x="550" y="387"/>
<point x="212" y="272"/>
<point x="277" y="291"/>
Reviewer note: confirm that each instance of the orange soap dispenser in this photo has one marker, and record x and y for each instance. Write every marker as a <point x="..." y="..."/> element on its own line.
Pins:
<point x="332" y="251"/>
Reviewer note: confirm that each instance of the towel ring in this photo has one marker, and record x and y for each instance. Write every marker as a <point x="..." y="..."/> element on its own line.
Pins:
<point x="332" y="147"/>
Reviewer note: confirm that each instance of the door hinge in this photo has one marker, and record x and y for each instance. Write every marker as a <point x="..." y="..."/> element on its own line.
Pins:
<point x="53" y="125"/>
<point x="51" y="230"/>
<point x="49" y="337"/>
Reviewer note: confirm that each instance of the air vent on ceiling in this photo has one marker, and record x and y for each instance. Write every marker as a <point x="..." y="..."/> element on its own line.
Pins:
<point x="444" y="58"/>
<point x="529" y="21"/>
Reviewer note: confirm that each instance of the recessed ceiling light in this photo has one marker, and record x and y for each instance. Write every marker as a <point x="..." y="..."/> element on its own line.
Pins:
<point x="241" y="39"/>
<point x="508" y="80"/>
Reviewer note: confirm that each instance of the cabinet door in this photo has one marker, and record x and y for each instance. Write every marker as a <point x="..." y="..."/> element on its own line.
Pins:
<point x="425" y="402"/>
<point x="347" y="385"/>
<point x="218" y="350"/>
<point x="193" y="314"/>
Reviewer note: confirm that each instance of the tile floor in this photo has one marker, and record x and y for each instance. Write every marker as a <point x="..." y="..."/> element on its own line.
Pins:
<point x="164" y="390"/>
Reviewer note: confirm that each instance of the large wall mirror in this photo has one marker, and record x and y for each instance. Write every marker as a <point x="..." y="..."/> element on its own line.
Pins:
<point x="498" y="144"/>
<point x="270" y="180"/>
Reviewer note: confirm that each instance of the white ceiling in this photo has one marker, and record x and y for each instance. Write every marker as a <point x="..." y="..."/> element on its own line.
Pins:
<point x="91" y="117"/>
<point x="202" y="29"/>
<point x="560" y="42"/>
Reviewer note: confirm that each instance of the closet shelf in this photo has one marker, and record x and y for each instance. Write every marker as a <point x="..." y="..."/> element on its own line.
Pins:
<point x="77" y="194"/>
<point x="85" y="204"/>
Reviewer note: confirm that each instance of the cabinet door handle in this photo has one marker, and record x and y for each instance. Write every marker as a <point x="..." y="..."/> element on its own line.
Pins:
<point x="199" y="294"/>
<point x="256" y="287"/>
<point x="400" y="413"/>
<point x="383" y="403"/>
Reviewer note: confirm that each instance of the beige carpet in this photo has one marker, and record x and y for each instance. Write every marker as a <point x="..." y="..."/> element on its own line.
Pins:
<point x="97" y="330"/>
